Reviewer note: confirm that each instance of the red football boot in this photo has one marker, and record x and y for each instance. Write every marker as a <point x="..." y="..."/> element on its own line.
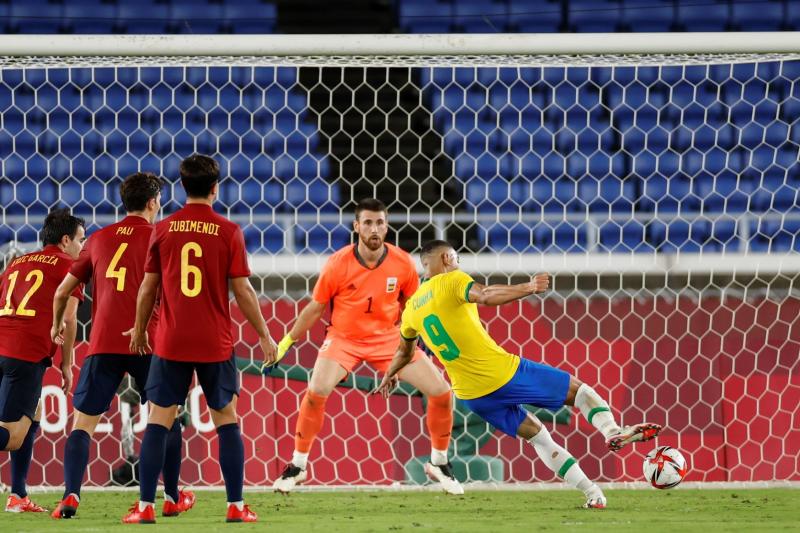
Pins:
<point x="67" y="508"/>
<point x="135" y="516"/>
<point x="15" y="504"/>
<point x="245" y="515"/>
<point x="185" y="502"/>
<point x="635" y="433"/>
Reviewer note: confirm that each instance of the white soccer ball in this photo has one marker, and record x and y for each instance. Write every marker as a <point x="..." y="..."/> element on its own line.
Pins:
<point x="664" y="467"/>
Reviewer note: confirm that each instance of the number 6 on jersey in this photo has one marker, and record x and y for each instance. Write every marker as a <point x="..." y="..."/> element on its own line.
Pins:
<point x="191" y="272"/>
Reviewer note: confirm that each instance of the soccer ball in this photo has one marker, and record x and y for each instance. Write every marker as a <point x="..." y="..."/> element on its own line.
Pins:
<point x="664" y="467"/>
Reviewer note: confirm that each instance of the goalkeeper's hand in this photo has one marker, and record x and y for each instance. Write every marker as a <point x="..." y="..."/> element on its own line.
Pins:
<point x="286" y="342"/>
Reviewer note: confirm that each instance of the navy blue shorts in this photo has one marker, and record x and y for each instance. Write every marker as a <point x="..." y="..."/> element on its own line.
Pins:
<point x="533" y="384"/>
<point x="100" y="377"/>
<point x="20" y="387"/>
<point x="169" y="381"/>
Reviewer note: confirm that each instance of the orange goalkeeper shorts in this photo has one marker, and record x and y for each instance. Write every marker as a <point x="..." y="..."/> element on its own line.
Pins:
<point x="376" y="351"/>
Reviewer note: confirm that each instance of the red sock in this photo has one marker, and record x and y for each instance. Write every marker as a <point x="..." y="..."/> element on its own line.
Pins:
<point x="440" y="420"/>
<point x="309" y="422"/>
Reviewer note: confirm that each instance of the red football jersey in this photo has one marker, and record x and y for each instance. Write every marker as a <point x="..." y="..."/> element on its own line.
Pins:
<point x="115" y="257"/>
<point x="196" y="251"/>
<point x="28" y="286"/>
<point x="366" y="301"/>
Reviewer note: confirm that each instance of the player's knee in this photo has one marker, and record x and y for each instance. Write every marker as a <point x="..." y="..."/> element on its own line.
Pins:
<point x="574" y="385"/>
<point x="315" y="399"/>
<point x="16" y="436"/>
<point x="84" y="422"/>
<point x="529" y="428"/>
<point x="319" y="390"/>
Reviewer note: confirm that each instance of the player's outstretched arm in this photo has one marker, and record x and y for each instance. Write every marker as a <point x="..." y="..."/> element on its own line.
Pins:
<point x="64" y="291"/>
<point x="305" y="321"/>
<point x="70" y="321"/>
<point x="145" y="302"/>
<point x="502" y="294"/>
<point x="247" y="300"/>
<point x="403" y="356"/>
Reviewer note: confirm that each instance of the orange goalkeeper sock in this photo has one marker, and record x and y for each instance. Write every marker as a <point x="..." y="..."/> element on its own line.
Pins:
<point x="309" y="422"/>
<point x="440" y="420"/>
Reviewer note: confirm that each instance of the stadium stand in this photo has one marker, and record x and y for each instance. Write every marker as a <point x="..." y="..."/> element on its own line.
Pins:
<point x="517" y="145"/>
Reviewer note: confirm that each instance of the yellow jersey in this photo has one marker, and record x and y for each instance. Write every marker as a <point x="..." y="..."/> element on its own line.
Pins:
<point x="450" y="326"/>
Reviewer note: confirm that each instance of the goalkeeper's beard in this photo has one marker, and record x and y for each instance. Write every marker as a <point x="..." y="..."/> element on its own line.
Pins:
<point x="373" y="242"/>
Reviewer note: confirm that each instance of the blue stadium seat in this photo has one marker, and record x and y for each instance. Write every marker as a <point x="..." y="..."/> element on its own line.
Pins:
<point x="506" y="237"/>
<point x="592" y="16"/>
<point x="647" y="16"/>
<point x="480" y="16"/>
<point x="627" y="237"/>
<point x="196" y="17"/>
<point x="703" y="17"/>
<point x="609" y="194"/>
<point x="561" y="237"/>
<point x="724" y="237"/>
<point x="680" y="235"/>
<point x="535" y="17"/>
<point x="250" y="16"/>
<point x="425" y="16"/>
<point x="758" y="16"/>
<point x="90" y="16"/>
<point x="146" y="16"/>
<point x="671" y="195"/>
<point x="774" y="235"/>
<point x="260" y="239"/>
<point x="36" y="16"/>
<point x="321" y="237"/>
<point x="776" y="190"/>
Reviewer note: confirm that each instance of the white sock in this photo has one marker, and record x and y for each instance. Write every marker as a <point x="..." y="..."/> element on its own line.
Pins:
<point x="239" y="505"/>
<point x="300" y="460"/>
<point x="144" y="505"/>
<point x="168" y="498"/>
<point x="560" y="461"/>
<point x="596" y="410"/>
<point x="438" y="457"/>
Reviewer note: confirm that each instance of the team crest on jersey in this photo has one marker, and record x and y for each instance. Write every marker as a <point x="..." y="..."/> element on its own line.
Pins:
<point x="391" y="284"/>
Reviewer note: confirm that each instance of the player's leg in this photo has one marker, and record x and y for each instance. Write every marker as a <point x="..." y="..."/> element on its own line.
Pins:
<point x="176" y="501"/>
<point x="332" y="365"/>
<point x="425" y="377"/>
<point x="20" y="465"/>
<point x="20" y="390"/>
<point x="99" y="379"/>
<point x="220" y="383"/>
<point x="598" y="413"/>
<point x="558" y="459"/>
<point x="168" y="384"/>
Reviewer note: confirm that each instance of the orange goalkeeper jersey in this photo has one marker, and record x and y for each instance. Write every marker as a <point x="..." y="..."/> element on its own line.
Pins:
<point x="366" y="301"/>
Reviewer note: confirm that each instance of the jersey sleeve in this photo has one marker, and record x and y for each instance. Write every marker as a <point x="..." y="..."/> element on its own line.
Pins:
<point x="238" y="267"/>
<point x="78" y="292"/>
<point x="407" y="331"/>
<point x="153" y="263"/>
<point x="326" y="287"/>
<point x="458" y="286"/>
<point x="82" y="267"/>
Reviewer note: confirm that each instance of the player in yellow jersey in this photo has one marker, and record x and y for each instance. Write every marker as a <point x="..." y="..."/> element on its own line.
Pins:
<point x="492" y="382"/>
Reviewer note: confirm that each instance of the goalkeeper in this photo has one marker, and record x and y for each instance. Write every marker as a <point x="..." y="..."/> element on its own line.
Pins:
<point x="366" y="284"/>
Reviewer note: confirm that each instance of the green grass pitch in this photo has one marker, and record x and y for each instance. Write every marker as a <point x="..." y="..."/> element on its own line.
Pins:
<point x="708" y="510"/>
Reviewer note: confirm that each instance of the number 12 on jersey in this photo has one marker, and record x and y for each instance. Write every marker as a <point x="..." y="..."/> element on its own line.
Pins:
<point x="445" y="344"/>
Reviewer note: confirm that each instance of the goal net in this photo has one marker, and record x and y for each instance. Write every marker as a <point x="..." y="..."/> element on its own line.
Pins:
<point x="659" y="189"/>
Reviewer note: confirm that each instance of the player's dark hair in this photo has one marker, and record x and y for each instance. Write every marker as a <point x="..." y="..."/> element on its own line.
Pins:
<point x="138" y="189"/>
<point x="199" y="173"/>
<point x="431" y="246"/>
<point x="60" y="222"/>
<point x="370" y="204"/>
